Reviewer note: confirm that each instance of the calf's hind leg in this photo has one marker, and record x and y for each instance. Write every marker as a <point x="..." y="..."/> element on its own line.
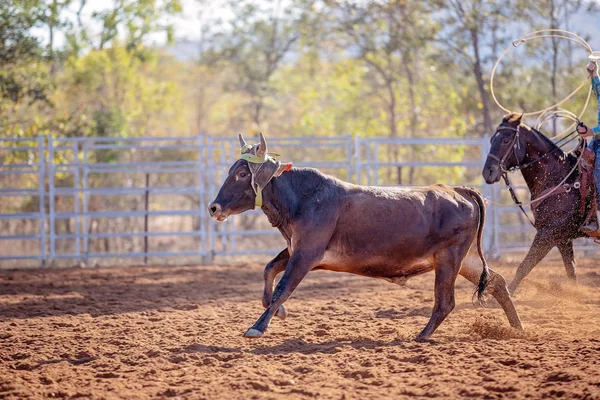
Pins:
<point x="447" y="264"/>
<point x="471" y="269"/>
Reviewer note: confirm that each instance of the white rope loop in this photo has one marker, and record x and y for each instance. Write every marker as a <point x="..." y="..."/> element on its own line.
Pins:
<point x="541" y="34"/>
<point x="551" y="115"/>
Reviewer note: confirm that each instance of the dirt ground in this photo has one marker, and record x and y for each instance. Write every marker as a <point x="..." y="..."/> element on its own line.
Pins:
<point x="176" y="332"/>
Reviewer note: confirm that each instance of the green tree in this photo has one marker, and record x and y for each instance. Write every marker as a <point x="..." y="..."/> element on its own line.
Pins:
<point x="473" y="31"/>
<point x="255" y="43"/>
<point x="555" y="14"/>
<point x="25" y="81"/>
<point x="136" y="19"/>
<point x="391" y="38"/>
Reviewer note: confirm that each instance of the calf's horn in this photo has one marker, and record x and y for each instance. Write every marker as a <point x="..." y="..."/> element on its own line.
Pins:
<point x="262" y="148"/>
<point x="242" y="141"/>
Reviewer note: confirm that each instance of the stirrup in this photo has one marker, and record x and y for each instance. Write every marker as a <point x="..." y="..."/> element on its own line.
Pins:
<point x="592" y="229"/>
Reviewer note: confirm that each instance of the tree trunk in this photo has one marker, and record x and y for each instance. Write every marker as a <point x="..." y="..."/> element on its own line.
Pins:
<point x="392" y="119"/>
<point x="410" y="77"/>
<point x="414" y="117"/>
<point x="257" y="109"/>
<point x="487" y="120"/>
<point x="553" y="25"/>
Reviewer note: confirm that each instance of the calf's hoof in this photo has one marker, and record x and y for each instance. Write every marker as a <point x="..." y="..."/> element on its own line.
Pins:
<point x="253" y="333"/>
<point x="422" y="339"/>
<point x="518" y="326"/>
<point x="281" y="312"/>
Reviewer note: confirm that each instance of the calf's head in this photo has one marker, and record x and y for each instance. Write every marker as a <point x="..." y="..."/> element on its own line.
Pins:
<point x="247" y="177"/>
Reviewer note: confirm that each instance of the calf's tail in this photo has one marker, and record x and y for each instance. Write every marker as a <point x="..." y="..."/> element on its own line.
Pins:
<point x="484" y="277"/>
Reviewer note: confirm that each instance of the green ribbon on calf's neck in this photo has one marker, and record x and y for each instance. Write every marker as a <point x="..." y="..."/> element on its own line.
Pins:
<point x="253" y="158"/>
<point x="260" y="160"/>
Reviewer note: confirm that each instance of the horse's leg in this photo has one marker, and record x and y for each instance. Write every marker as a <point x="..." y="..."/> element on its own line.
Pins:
<point x="568" y="257"/>
<point x="539" y="248"/>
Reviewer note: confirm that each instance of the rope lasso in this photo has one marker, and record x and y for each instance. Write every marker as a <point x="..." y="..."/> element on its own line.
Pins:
<point x="551" y="115"/>
<point x="541" y="34"/>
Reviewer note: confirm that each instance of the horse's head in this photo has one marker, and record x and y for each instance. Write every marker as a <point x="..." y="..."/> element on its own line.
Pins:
<point x="506" y="148"/>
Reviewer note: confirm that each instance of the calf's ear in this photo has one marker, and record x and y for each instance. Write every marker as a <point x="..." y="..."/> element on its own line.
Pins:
<point x="282" y="168"/>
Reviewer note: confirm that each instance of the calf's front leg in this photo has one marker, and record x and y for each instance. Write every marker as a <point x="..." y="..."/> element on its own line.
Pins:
<point x="447" y="264"/>
<point x="273" y="268"/>
<point x="300" y="263"/>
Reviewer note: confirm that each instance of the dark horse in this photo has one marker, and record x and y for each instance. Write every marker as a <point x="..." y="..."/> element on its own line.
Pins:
<point x="544" y="166"/>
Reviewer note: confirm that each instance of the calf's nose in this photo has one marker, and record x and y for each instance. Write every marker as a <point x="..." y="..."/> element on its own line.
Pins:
<point x="214" y="208"/>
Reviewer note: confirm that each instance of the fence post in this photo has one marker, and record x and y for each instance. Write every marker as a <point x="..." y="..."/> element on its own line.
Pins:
<point x="369" y="159"/>
<point x="375" y="167"/>
<point x="51" y="205"/>
<point x="42" y="194"/>
<point x="209" y="176"/>
<point x="146" y="203"/>
<point x="488" y="234"/>
<point x="85" y="187"/>
<point x="201" y="200"/>
<point x="349" y="158"/>
<point x="76" y="204"/>
<point x="357" y="162"/>
<point x="496" y="214"/>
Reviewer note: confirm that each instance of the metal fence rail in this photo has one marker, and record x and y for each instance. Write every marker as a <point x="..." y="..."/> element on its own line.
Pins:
<point x="88" y="199"/>
<point x="110" y="161"/>
<point x="22" y="163"/>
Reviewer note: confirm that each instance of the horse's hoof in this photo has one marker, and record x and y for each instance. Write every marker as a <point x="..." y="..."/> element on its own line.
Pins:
<point x="253" y="333"/>
<point x="281" y="312"/>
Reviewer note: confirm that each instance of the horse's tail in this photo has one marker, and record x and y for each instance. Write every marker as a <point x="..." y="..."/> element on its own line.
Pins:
<point x="484" y="277"/>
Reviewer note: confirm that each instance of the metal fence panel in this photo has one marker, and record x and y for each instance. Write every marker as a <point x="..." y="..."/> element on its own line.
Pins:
<point x="92" y="199"/>
<point x="145" y="179"/>
<point x="22" y="163"/>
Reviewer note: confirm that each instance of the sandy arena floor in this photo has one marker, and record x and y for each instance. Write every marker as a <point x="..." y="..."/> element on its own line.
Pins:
<point x="149" y="332"/>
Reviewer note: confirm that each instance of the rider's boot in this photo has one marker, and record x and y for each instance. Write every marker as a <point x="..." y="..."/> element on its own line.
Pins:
<point x="593" y="226"/>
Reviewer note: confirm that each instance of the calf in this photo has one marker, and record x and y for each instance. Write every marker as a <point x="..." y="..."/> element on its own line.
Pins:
<point x="386" y="233"/>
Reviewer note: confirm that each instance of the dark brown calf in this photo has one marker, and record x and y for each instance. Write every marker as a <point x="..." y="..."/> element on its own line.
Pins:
<point x="387" y="233"/>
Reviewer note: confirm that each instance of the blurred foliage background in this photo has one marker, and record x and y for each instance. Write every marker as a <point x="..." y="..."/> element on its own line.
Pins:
<point x="398" y="68"/>
<point x="175" y="68"/>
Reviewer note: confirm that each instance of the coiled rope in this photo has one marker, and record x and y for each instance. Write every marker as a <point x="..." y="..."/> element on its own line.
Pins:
<point x="541" y="34"/>
<point x="553" y="112"/>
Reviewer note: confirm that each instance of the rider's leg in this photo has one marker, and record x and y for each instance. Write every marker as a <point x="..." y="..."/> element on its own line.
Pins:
<point x="597" y="180"/>
<point x="595" y="225"/>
